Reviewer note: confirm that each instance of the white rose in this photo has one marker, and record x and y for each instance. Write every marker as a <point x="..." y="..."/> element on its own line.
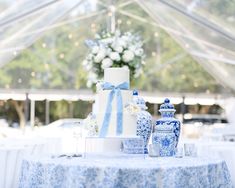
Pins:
<point x="107" y="41"/>
<point x="122" y="43"/>
<point x="117" y="46"/>
<point x="139" y="52"/>
<point x="114" y="56"/>
<point x="114" y="43"/>
<point x="106" y="63"/>
<point x="139" y="44"/>
<point x="128" y="56"/>
<point x="125" y="67"/>
<point x="108" y="51"/>
<point x="89" y="57"/>
<point x="97" y="59"/>
<point x="95" y="49"/>
<point x="100" y="56"/>
<point x="102" y="51"/>
<point x="118" y="49"/>
<point x="87" y="64"/>
<point x="92" y="76"/>
<point x="125" y="38"/>
<point x="88" y="67"/>
<point x="132" y="48"/>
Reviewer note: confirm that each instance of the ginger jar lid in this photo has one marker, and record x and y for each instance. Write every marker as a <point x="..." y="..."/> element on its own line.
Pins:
<point x="139" y="100"/>
<point x="167" y="106"/>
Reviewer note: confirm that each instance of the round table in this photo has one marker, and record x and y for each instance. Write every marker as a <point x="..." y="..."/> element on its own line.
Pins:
<point x="124" y="171"/>
<point x="219" y="149"/>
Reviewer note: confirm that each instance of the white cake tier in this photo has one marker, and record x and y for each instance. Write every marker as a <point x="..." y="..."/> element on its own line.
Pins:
<point x="103" y="97"/>
<point x="117" y="76"/>
<point x="129" y="124"/>
<point x="102" y="145"/>
<point x="129" y="121"/>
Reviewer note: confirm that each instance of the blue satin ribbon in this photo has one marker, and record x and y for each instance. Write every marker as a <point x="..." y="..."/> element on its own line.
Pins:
<point x="115" y="90"/>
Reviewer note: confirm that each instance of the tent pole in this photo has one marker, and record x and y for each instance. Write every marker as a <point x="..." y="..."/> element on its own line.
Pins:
<point x="32" y="113"/>
<point x="182" y="108"/>
<point x="26" y="108"/>
<point x="47" y="112"/>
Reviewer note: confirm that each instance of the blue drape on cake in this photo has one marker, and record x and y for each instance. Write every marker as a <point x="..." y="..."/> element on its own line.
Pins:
<point x="115" y="91"/>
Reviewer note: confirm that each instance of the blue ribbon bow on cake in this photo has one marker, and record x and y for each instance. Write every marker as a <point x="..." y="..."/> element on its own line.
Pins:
<point x="115" y="91"/>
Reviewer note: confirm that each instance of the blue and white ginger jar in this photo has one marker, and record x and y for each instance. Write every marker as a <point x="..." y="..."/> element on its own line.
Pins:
<point x="166" y="131"/>
<point x="144" y="120"/>
<point x="165" y="139"/>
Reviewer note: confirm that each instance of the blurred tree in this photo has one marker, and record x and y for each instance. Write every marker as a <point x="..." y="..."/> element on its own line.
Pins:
<point x="19" y="107"/>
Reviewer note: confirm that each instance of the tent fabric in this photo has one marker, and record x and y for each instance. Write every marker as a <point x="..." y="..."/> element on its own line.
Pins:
<point x="204" y="32"/>
<point x="203" y="35"/>
<point x="18" y="29"/>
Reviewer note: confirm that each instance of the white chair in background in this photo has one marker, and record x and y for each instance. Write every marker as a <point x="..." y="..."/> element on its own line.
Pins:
<point x="12" y="152"/>
<point x="226" y="153"/>
<point x="219" y="149"/>
<point x="10" y="163"/>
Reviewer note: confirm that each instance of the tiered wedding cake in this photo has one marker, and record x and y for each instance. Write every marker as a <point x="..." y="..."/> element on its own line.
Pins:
<point x="113" y="54"/>
<point x="116" y="77"/>
<point x="114" y="123"/>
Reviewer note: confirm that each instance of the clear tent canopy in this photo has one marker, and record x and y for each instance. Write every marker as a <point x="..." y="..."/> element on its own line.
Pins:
<point x="189" y="44"/>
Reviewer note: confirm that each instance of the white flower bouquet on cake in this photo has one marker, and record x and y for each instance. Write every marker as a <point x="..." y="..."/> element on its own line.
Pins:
<point x="113" y="50"/>
<point x="90" y="125"/>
